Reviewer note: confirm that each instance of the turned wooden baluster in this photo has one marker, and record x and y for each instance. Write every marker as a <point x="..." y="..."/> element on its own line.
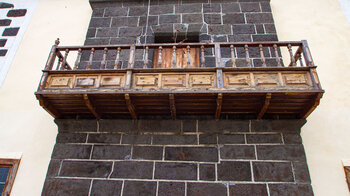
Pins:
<point x="160" y="57"/>
<point x="103" y="62"/>
<point x="188" y="57"/>
<point x="77" y="62"/>
<point x="202" y="57"/>
<point x="64" y="62"/>
<point x="292" y="59"/>
<point x="262" y="56"/>
<point x="247" y="56"/>
<point x="233" y="59"/>
<point x="145" y="65"/>
<point x="117" y="58"/>
<point x="301" y="60"/>
<point x="174" y="57"/>
<point x="277" y="55"/>
<point x="59" y="62"/>
<point x="90" y="59"/>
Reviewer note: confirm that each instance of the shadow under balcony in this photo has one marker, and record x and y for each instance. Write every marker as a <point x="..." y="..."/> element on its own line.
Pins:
<point x="216" y="80"/>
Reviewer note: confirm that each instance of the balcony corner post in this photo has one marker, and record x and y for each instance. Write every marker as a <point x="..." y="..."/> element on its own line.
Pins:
<point x="219" y="76"/>
<point x="307" y="53"/>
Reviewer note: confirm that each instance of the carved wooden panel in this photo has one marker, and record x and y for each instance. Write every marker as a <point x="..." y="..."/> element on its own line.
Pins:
<point x="146" y="80"/>
<point x="112" y="81"/>
<point x="60" y="82"/>
<point x="295" y="79"/>
<point x="173" y="80"/>
<point x="86" y="82"/>
<point x="202" y="80"/>
<point x="237" y="79"/>
<point x="266" y="79"/>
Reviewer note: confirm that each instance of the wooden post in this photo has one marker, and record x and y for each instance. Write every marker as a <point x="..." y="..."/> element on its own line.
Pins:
<point x="265" y="106"/>
<point x="173" y="62"/>
<point x="91" y="57"/>
<point x="51" y="60"/>
<point x="275" y="48"/>
<point x="160" y="57"/>
<point x="103" y="62"/>
<point x="307" y="53"/>
<point x="145" y="65"/>
<point x="247" y="59"/>
<point x="219" y="76"/>
<point x="218" y="106"/>
<point x="132" y="57"/>
<point x="77" y="61"/>
<point x="130" y="106"/>
<point x="172" y="106"/>
<point x="263" y="61"/>
<point x="90" y="106"/>
<point x="188" y="57"/>
<point x="233" y="58"/>
<point x="117" y="58"/>
<point x="202" y="56"/>
<point x="59" y="62"/>
<point x="292" y="59"/>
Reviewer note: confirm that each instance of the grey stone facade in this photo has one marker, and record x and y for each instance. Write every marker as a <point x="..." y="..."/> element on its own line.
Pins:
<point x="180" y="157"/>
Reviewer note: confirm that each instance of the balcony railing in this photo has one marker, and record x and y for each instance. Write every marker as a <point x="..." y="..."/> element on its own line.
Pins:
<point x="243" y="80"/>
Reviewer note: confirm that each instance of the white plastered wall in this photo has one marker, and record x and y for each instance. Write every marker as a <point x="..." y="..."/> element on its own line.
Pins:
<point x="326" y="135"/>
<point x="25" y="128"/>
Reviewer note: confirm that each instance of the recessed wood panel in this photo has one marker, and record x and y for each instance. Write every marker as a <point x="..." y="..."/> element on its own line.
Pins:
<point x="237" y="80"/>
<point x="111" y="81"/>
<point x="146" y="80"/>
<point x="173" y="80"/>
<point x="202" y="80"/>
<point x="60" y="82"/>
<point x="295" y="79"/>
<point x="86" y="82"/>
<point x="266" y="79"/>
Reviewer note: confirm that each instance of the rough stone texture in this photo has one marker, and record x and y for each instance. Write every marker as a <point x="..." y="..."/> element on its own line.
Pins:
<point x="132" y="188"/>
<point x="206" y="189"/>
<point x="176" y="171"/>
<point x="234" y="171"/>
<point x="272" y="172"/>
<point x="93" y="169"/>
<point x="66" y="187"/>
<point x="111" y="152"/>
<point x="106" y="187"/>
<point x="132" y="169"/>
<point x="237" y="152"/>
<point x="248" y="189"/>
<point x="171" y="188"/>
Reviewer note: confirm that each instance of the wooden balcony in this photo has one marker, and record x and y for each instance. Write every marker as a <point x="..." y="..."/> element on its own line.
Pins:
<point x="221" y="80"/>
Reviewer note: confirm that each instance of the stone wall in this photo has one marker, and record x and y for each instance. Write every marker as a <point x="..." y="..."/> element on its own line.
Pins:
<point x="136" y="22"/>
<point x="175" y="157"/>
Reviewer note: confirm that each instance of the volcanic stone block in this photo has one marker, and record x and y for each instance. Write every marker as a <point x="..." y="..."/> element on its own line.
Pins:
<point x="207" y="172"/>
<point x="118" y="126"/>
<point x="107" y="32"/>
<point x="212" y="18"/>
<point x="290" y="190"/>
<point x="260" y="29"/>
<point x="259" y="18"/>
<point x="130" y="31"/>
<point x="160" y="125"/>
<point x="192" y="18"/>
<point x="202" y="154"/>
<point x="176" y="171"/>
<point x="273" y="172"/>
<point x="132" y="169"/>
<point x="270" y="28"/>
<point x="138" y="11"/>
<point x="208" y="139"/>
<point x="54" y="168"/>
<point x="161" y="9"/>
<point x="66" y="187"/>
<point x="17" y="13"/>
<point x="188" y="8"/>
<point x="71" y="151"/>
<point x="206" y="189"/>
<point x="123" y="40"/>
<point x="263" y="138"/>
<point x="223" y="125"/>
<point x="248" y="189"/>
<point x="240" y="38"/>
<point x="3" y="42"/>
<point x="234" y="171"/>
<point x="147" y="152"/>
<point x="277" y="125"/>
<point x="124" y="22"/>
<point x="100" y="22"/>
<point x="152" y="20"/>
<point x="104" y="138"/>
<point x="212" y="8"/>
<point x="281" y="152"/>
<point x="101" y="41"/>
<point x="233" y="19"/>
<point x="91" y="32"/>
<point x="265" y="37"/>
<point x="71" y="138"/>
<point x="291" y="138"/>
<point x="169" y="18"/>
<point x="10" y="31"/>
<point x="70" y="125"/>
<point x="301" y="172"/>
<point x="95" y="169"/>
<point x="98" y="12"/>
<point x="136" y="139"/>
<point x="230" y="7"/>
<point x="111" y="152"/>
<point x="265" y="6"/>
<point x="243" y="29"/>
<point x="231" y="139"/>
<point x="220" y="38"/>
<point x="132" y="188"/>
<point x="173" y="188"/>
<point x="174" y="139"/>
<point x="250" y="7"/>
<point x="237" y="152"/>
<point x="116" y="11"/>
<point x="106" y="187"/>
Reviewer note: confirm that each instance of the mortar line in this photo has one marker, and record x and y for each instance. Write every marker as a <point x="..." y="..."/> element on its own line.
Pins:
<point x="109" y="176"/>
<point x="92" y="149"/>
<point x="154" y="170"/>
<point x="122" y="189"/>
<point x="90" y="187"/>
<point x="268" y="189"/>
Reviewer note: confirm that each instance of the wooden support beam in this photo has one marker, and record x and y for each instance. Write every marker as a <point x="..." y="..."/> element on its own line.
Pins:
<point x="47" y="106"/>
<point x="312" y="106"/>
<point x="265" y="106"/>
<point x="172" y="106"/>
<point x="91" y="107"/>
<point x="218" y="106"/>
<point x="130" y="106"/>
